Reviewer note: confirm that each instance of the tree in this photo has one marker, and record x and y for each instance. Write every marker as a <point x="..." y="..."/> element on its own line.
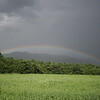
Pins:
<point x="2" y="67"/>
<point x="1" y="56"/>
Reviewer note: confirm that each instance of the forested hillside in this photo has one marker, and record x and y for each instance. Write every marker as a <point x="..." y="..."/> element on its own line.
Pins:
<point x="11" y="65"/>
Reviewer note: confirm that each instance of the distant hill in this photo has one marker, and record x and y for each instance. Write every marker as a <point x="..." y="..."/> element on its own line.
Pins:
<point x="48" y="57"/>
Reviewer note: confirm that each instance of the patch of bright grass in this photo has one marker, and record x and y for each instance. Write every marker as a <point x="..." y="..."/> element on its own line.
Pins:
<point x="49" y="87"/>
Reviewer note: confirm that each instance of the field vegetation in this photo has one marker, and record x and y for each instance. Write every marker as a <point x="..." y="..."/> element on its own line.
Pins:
<point x="49" y="87"/>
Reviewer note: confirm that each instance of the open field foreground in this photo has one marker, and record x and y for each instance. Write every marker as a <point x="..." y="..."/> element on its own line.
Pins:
<point x="49" y="87"/>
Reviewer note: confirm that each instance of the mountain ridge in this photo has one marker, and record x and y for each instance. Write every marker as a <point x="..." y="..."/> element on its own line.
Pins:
<point x="48" y="57"/>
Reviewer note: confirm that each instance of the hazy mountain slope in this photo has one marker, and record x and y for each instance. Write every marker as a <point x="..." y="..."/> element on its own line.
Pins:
<point x="48" y="57"/>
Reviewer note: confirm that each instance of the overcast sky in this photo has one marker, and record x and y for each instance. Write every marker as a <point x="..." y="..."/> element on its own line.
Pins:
<point x="68" y="23"/>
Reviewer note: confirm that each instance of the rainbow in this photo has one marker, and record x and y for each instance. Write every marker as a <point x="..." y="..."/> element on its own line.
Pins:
<point x="42" y="47"/>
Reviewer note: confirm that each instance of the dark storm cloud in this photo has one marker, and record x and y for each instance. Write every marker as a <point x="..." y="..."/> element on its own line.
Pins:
<point x="68" y="23"/>
<point x="8" y="6"/>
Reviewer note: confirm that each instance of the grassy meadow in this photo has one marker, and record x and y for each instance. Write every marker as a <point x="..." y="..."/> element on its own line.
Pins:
<point x="49" y="87"/>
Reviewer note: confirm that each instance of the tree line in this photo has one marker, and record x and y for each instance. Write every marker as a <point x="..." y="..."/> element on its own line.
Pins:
<point x="11" y="65"/>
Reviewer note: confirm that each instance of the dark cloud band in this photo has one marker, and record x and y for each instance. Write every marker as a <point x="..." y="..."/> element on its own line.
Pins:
<point x="8" y="6"/>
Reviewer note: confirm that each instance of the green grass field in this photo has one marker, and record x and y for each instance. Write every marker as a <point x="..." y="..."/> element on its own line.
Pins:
<point x="49" y="87"/>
